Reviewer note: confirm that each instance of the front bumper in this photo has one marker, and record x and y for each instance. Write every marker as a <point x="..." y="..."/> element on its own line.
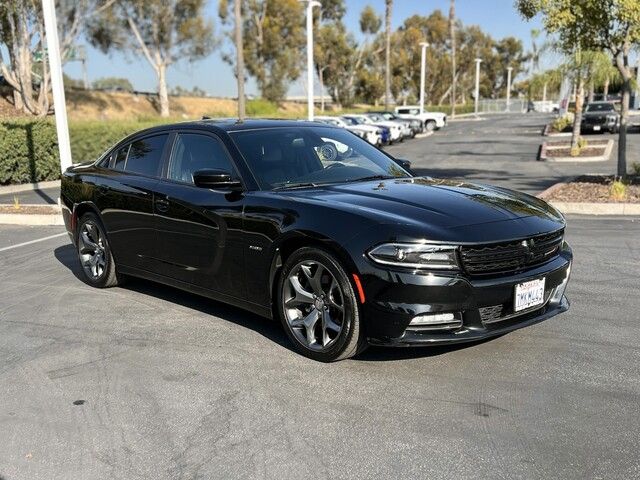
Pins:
<point x="484" y="306"/>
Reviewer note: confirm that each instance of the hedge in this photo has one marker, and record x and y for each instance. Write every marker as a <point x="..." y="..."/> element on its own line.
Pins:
<point x="29" y="148"/>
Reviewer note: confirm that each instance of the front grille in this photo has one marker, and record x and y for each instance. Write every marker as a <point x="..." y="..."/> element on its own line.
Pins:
<point x="512" y="256"/>
<point x="595" y="120"/>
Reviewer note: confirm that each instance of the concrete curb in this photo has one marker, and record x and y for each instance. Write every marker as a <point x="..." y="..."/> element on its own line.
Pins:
<point x="588" y="208"/>
<point x="423" y="135"/>
<point x="24" y="187"/>
<point x="600" y="158"/>
<point x="53" y="218"/>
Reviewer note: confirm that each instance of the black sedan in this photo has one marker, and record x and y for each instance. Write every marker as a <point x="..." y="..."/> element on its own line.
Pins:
<point x="310" y="224"/>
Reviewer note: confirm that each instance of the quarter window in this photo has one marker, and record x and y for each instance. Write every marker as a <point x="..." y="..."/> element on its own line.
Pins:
<point x="145" y="155"/>
<point x="193" y="152"/>
<point x="121" y="158"/>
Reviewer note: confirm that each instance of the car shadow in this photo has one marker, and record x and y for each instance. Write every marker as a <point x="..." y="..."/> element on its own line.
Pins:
<point x="272" y="330"/>
<point x="269" y="329"/>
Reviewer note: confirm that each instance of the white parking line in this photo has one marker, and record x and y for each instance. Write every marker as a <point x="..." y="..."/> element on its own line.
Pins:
<point x="18" y="245"/>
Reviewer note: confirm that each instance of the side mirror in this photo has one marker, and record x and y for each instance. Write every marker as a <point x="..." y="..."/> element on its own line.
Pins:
<point x="216" y="179"/>
<point x="406" y="164"/>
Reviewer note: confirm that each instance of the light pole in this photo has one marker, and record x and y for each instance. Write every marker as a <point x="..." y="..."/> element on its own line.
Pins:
<point x="509" y="70"/>
<point x="477" y="94"/>
<point x="310" y="5"/>
<point x="423" y="68"/>
<point x="57" y="85"/>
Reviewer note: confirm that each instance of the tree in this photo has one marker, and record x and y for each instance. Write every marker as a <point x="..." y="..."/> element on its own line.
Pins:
<point x="273" y="31"/>
<point x="113" y="83"/>
<point x="387" y="53"/>
<point x="161" y="31"/>
<point x="612" y="25"/>
<point x="238" y="34"/>
<point x="22" y="32"/>
<point x="452" y="37"/>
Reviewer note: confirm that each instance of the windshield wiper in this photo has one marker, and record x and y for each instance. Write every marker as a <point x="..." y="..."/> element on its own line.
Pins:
<point x="372" y="177"/>
<point x="295" y="185"/>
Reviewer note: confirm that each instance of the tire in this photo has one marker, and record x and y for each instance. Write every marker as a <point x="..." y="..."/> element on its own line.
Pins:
<point x="430" y="125"/>
<point x="320" y="326"/>
<point x="94" y="253"/>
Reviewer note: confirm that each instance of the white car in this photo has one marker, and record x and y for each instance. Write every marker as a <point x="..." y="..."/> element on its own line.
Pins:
<point x="431" y="120"/>
<point x="395" y="129"/>
<point x="369" y="133"/>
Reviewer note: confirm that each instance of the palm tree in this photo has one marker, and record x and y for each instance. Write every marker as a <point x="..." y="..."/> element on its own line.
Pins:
<point x="237" y="8"/>
<point x="387" y="59"/>
<point x="452" y="34"/>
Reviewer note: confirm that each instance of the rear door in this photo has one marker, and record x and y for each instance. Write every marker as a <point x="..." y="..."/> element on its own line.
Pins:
<point x="200" y="229"/>
<point x="125" y="197"/>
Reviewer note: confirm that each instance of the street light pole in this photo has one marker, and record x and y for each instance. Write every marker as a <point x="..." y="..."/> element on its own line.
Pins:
<point x="509" y="70"/>
<point x="477" y="94"/>
<point x="423" y="68"/>
<point x="310" y="5"/>
<point x="57" y="85"/>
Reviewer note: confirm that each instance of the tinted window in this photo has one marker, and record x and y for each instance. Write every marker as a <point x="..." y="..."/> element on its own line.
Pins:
<point x="145" y="155"/>
<point x="284" y="157"/>
<point x="193" y="152"/>
<point x="600" y="107"/>
<point x="121" y="158"/>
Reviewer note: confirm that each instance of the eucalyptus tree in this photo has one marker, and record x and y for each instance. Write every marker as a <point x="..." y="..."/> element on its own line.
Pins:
<point x="161" y="31"/>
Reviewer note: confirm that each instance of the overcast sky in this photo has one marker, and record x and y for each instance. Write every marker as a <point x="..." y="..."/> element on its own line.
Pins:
<point x="496" y="17"/>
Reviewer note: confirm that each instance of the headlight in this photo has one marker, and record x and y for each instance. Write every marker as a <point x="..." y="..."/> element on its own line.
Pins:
<point x="416" y="255"/>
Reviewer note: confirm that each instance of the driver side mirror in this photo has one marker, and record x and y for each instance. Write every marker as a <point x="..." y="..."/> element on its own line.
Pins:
<point x="216" y="179"/>
<point x="406" y="164"/>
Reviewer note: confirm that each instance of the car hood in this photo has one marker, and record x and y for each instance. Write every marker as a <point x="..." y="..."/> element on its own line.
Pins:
<point x="436" y="205"/>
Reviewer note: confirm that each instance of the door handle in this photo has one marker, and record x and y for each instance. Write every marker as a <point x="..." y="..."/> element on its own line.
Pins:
<point x="162" y="205"/>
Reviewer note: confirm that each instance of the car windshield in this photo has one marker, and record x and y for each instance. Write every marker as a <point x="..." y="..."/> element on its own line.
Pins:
<point x="600" y="107"/>
<point x="388" y="116"/>
<point x="291" y="157"/>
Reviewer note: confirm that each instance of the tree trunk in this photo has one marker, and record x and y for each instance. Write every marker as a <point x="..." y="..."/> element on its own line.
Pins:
<point x="591" y="91"/>
<point x="239" y="58"/>
<point x="163" y="96"/>
<point x="452" y="34"/>
<point x="622" y="62"/>
<point x="577" y="118"/>
<point x="387" y="55"/>
<point x="321" y="79"/>
<point x="605" y="93"/>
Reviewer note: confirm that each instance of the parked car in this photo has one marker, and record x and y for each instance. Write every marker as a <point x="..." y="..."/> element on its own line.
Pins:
<point x="395" y="129"/>
<point x="430" y="120"/>
<point x="371" y="134"/>
<point x="600" y="116"/>
<point x="414" y="123"/>
<point x="406" y="131"/>
<point x="385" y="132"/>
<point x="343" y="245"/>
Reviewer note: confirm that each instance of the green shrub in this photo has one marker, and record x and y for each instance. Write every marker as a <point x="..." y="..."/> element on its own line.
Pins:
<point x="618" y="190"/>
<point x="560" y="124"/>
<point x="28" y="151"/>
<point x="260" y="107"/>
<point x="29" y="148"/>
<point x="635" y="166"/>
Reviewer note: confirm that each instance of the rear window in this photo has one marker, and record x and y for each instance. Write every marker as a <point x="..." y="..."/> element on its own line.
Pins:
<point x="145" y="155"/>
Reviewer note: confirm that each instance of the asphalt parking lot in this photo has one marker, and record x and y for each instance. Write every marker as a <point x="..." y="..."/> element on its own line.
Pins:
<point x="149" y="382"/>
<point x="145" y="381"/>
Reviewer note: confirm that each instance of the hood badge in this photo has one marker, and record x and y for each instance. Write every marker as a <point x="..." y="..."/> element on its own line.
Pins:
<point x="381" y="186"/>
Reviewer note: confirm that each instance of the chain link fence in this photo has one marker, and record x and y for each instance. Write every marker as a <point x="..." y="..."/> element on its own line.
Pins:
<point x="500" y="105"/>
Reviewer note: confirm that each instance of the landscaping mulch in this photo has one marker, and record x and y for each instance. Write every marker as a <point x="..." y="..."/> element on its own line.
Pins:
<point x="595" y="188"/>
<point x="29" y="210"/>
<point x="591" y="143"/>
<point x="585" y="152"/>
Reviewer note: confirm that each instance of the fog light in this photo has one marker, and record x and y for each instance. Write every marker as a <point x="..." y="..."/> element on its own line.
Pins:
<point x="558" y="292"/>
<point x="436" y="321"/>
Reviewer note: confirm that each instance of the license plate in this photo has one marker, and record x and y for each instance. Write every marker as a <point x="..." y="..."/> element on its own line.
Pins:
<point x="529" y="294"/>
<point x="596" y="128"/>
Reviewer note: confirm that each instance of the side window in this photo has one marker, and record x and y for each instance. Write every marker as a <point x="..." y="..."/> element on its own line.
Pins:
<point x="145" y="155"/>
<point x="193" y="152"/>
<point x="121" y="158"/>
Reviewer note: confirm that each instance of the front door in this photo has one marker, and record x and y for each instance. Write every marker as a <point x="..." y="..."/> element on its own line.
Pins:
<point x="199" y="229"/>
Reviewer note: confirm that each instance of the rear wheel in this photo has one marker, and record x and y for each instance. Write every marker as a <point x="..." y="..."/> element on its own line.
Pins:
<point x="318" y="307"/>
<point x="94" y="253"/>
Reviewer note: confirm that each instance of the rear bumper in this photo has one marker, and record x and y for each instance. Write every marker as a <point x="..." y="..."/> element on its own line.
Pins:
<point x="483" y="308"/>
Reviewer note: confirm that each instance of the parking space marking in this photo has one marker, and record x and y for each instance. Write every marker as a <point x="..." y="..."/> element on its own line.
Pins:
<point x="23" y="244"/>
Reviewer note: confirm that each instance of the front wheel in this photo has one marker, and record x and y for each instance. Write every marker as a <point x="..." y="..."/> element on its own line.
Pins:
<point x="318" y="307"/>
<point x="430" y="126"/>
<point x="94" y="253"/>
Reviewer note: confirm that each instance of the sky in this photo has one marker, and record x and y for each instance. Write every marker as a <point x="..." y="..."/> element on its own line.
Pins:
<point x="496" y="17"/>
